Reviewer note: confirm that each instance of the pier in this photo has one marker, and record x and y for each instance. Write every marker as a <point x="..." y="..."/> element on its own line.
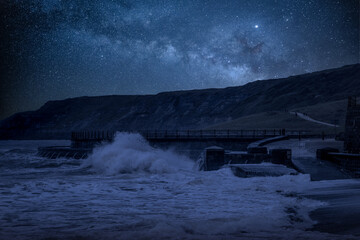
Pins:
<point x="187" y="142"/>
<point x="193" y="135"/>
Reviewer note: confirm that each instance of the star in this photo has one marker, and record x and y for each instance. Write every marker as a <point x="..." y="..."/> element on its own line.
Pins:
<point x="119" y="47"/>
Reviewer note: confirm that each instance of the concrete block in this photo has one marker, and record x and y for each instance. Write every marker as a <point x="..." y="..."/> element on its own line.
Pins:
<point x="323" y="153"/>
<point x="246" y="158"/>
<point x="214" y="158"/>
<point x="260" y="170"/>
<point x="281" y="156"/>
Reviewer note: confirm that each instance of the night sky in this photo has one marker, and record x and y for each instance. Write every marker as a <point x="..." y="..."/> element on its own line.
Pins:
<point x="53" y="49"/>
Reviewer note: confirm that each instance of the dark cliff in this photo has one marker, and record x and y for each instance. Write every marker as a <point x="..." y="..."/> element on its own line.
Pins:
<point x="183" y="109"/>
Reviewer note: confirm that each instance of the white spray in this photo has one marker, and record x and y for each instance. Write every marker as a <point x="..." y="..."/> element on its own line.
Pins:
<point x="132" y="153"/>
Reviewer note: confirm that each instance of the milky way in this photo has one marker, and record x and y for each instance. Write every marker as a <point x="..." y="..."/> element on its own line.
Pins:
<point x="53" y="49"/>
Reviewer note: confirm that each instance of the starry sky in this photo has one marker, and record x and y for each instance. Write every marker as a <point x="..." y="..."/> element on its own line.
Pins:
<point x="56" y="49"/>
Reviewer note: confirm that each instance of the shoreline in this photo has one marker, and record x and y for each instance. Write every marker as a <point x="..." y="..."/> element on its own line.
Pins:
<point x="341" y="215"/>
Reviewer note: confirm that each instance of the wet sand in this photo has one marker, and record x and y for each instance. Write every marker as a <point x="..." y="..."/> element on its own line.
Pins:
<point x="342" y="214"/>
<point x="330" y="184"/>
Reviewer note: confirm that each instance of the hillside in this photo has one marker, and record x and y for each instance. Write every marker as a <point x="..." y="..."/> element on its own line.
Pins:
<point x="185" y="109"/>
<point x="330" y="112"/>
<point x="276" y="120"/>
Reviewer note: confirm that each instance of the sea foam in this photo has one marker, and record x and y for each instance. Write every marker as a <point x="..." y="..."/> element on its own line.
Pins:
<point x="132" y="153"/>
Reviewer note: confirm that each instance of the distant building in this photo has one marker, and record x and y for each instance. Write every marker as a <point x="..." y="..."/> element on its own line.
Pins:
<point x="352" y="127"/>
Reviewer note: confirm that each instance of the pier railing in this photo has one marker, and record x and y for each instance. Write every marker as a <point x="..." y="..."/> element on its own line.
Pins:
<point x="213" y="134"/>
<point x="97" y="136"/>
<point x="92" y="136"/>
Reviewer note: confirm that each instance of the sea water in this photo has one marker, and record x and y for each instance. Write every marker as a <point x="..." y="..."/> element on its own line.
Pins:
<point x="130" y="190"/>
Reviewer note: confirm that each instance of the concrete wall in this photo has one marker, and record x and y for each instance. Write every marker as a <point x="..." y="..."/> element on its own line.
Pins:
<point x="352" y="127"/>
<point x="193" y="149"/>
<point x="216" y="157"/>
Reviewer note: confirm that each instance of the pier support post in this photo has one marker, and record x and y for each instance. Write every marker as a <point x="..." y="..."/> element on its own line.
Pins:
<point x="214" y="158"/>
<point x="281" y="156"/>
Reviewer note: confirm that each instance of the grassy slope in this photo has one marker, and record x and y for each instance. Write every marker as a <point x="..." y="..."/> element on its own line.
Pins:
<point x="333" y="112"/>
<point x="330" y="112"/>
<point x="275" y="120"/>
